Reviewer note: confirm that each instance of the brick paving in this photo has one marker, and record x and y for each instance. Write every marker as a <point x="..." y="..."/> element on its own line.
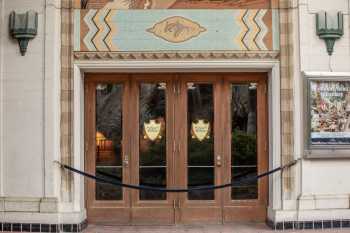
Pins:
<point x="227" y="228"/>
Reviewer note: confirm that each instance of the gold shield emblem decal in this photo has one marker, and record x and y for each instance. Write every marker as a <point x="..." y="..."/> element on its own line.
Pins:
<point x="200" y="130"/>
<point x="176" y="29"/>
<point x="152" y="130"/>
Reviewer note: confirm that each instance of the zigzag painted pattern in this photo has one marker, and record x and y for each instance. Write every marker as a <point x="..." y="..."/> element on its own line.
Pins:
<point x="252" y="30"/>
<point x="101" y="30"/>
<point x="88" y="39"/>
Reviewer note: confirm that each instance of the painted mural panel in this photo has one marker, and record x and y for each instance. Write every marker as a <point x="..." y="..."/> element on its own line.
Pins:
<point x="109" y="29"/>
<point x="177" y="4"/>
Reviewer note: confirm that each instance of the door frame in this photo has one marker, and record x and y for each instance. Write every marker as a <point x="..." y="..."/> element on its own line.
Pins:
<point x="103" y="211"/>
<point x="235" y="210"/>
<point x="80" y="68"/>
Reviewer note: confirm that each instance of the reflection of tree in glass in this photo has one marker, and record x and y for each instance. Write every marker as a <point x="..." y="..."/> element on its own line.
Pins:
<point x="109" y="114"/>
<point x="152" y="153"/>
<point x="243" y="108"/>
<point x="152" y="103"/>
<point x="243" y="148"/>
<point x="152" y="107"/>
<point x="200" y="102"/>
<point x="200" y="106"/>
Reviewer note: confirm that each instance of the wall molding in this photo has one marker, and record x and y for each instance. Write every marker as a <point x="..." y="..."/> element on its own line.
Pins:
<point x="180" y="55"/>
<point x="28" y="204"/>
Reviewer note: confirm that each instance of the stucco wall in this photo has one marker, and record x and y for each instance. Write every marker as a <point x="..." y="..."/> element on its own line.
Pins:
<point x="327" y="176"/>
<point x="322" y="189"/>
<point x="29" y="112"/>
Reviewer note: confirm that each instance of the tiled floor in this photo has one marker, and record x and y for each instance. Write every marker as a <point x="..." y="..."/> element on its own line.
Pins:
<point x="229" y="228"/>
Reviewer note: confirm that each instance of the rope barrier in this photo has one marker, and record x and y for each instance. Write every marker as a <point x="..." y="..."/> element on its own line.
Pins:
<point x="170" y="190"/>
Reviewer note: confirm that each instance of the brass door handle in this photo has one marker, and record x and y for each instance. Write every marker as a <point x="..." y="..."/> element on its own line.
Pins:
<point x="126" y="161"/>
<point x="218" y="161"/>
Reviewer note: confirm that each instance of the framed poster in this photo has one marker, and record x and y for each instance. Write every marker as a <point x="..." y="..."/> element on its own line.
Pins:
<point x="328" y="116"/>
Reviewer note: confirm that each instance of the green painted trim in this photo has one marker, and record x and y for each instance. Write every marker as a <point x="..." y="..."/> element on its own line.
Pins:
<point x="76" y="30"/>
<point x="275" y="29"/>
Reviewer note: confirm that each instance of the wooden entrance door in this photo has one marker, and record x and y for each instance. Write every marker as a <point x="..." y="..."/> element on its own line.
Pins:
<point x="176" y="131"/>
<point x="199" y="133"/>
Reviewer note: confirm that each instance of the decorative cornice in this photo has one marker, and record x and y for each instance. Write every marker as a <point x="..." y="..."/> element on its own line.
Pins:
<point x="188" y="55"/>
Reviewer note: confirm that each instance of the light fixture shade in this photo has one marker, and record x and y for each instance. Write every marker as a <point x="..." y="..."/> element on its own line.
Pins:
<point x="329" y="27"/>
<point x="329" y="22"/>
<point x="23" y="27"/>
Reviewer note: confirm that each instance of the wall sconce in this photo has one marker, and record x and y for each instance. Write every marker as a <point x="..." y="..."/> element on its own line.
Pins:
<point x="23" y="27"/>
<point x="329" y="27"/>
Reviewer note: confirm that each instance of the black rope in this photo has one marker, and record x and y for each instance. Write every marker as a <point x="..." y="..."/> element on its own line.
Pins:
<point x="119" y="179"/>
<point x="172" y="190"/>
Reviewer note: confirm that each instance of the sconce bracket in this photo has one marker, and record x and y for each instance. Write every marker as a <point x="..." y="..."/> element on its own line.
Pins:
<point x="23" y="27"/>
<point x="329" y="31"/>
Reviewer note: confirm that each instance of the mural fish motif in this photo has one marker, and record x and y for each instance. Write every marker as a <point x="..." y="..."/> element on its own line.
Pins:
<point x="176" y="29"/>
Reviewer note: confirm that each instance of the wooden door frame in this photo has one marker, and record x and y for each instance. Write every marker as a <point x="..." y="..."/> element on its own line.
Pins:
<point x="104" y="211"/>
<point x="257" y="208"/>
<point x="82" y="68"/>
<point x="152" y="211"/>
<point x="190" y="210"/>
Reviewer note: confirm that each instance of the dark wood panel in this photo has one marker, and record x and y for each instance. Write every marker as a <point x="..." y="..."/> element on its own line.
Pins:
<point x="256" y="213"/>
<point x="153" y="216"/>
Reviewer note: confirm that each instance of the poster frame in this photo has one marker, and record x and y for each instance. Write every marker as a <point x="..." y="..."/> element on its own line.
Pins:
<point x="321" y="150"/>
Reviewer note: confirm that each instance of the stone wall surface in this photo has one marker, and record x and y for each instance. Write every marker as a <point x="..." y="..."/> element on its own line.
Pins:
<point x="36" y="90"/>
<point x="324" y="176"/>
<point x="29" y="104"/>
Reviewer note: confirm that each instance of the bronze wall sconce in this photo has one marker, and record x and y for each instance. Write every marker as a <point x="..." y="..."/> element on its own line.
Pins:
<point x="329" y="27"/>
<point x="23" y="27"/>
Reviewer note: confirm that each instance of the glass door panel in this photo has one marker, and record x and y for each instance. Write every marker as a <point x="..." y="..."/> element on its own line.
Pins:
<point x="244" y="141"/>
<point x="108" y="139"/>
<point x="200" y="147"/>
<point x="152" y="139"/>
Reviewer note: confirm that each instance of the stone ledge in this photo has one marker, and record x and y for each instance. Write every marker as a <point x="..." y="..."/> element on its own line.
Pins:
<point x="324" y="202"/>
<point x="28" y="204"/>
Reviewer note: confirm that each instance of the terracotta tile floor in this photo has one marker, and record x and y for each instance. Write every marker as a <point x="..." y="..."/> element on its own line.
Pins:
<point x="229" y="228"/>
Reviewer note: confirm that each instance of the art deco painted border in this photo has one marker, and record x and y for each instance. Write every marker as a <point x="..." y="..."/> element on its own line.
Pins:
<point x="188" y="55"/>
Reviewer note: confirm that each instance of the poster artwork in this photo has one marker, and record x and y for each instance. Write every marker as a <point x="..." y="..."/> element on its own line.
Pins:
<point x="330" y="112"/>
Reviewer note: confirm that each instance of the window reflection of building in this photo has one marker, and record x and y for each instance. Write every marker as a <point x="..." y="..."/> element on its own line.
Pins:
<point x="104" y="149"/>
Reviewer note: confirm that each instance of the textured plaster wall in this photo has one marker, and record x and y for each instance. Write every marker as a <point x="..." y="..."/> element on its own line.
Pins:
<point x="22" y="113"/>
<point x="323" y="177"/>
<point x="29" y="104"/>
<point x="312" y="49"/>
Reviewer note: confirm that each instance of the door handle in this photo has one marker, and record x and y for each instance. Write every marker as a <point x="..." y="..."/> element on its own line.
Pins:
<point x="126" y="161"/>
<point x="218" y="161"/>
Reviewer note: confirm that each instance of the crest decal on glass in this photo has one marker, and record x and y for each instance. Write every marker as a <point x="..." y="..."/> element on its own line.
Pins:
<point x="152" y="130"/>
<point x="200" y="130"/>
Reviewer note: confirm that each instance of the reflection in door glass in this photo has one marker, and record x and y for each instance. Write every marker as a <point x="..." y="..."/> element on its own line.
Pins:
<point x="243" y="147"/>
<point x="152" y="142"/>
<point x="200" y="139"/>
<point x="109" y="133"/>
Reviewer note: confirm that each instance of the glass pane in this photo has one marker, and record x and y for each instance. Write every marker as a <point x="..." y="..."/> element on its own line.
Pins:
<point x="155" y="177"/>
<point x="243" y="188"/>
<point x="152" y="138"/>
<point x="200" y="139"/>
<point x="108" y="191"/>
<point x="243" y="148"/>
<point x="201" y="176"/>
<point x="109" y="134"/>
